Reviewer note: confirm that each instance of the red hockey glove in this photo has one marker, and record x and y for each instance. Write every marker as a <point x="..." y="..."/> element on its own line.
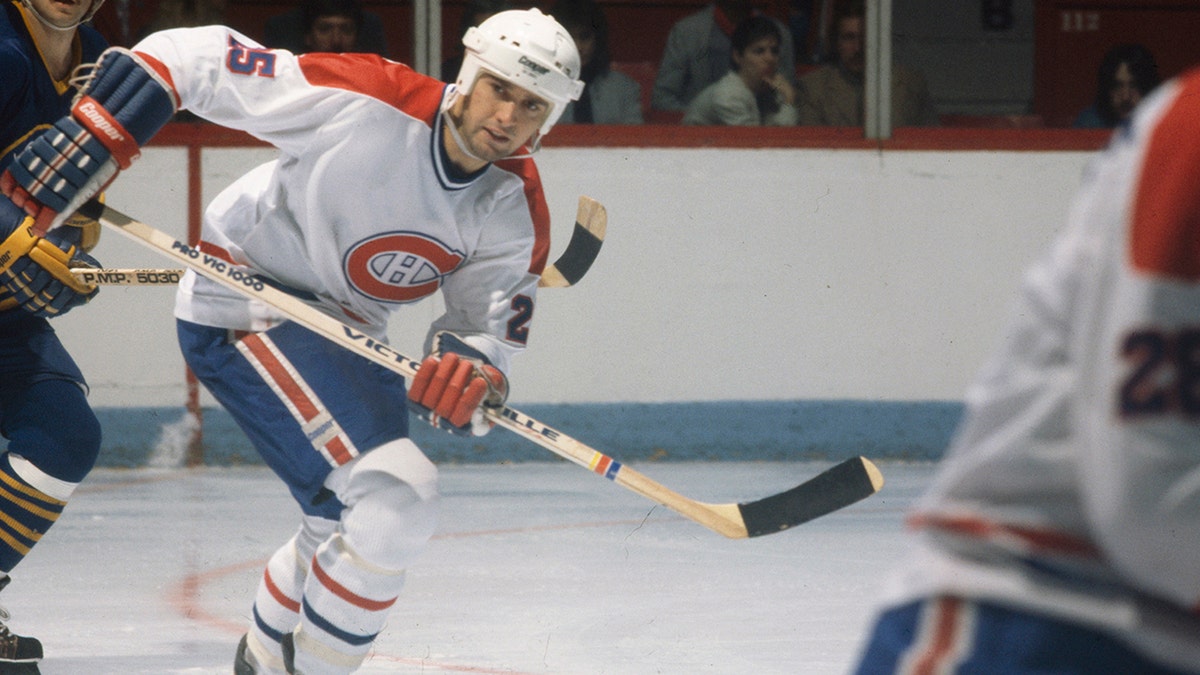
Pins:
<point x="453" y="386"/>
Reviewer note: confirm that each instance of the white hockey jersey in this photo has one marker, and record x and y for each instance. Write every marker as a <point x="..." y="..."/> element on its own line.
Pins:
<point x="362" y="209"/>
<point x="1073" y="486"/>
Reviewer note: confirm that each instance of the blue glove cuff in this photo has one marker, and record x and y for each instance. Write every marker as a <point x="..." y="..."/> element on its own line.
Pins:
<point x="132" y="93"/>
<point x="446" y="342"/>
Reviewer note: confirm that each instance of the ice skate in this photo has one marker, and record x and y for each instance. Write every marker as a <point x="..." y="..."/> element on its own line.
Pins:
<point x="241" y="661"/>
<point x="289" y="652"/>
<point x="253" y="659"/>
<point x="19" y="655"/>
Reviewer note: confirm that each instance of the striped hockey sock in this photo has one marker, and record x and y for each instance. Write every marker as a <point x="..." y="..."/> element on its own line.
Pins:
<point x="25" y="515"/>
<point x="356" y="575"/>
<point x="346" y="602"/>
<point x="277" y="601"/>
<point x="390" y="497"/>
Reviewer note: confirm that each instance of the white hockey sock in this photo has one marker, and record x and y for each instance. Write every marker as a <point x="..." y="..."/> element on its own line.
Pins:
<point x="356" y="576"/>
<point x="277" y="601"/>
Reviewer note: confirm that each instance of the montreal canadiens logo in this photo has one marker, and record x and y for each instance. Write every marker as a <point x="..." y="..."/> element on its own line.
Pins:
<point x="400" y="266"/>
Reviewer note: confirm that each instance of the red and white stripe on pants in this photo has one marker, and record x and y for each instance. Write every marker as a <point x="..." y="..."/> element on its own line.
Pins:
<point x="326" y="436"/>
<point x="944" y="637"/>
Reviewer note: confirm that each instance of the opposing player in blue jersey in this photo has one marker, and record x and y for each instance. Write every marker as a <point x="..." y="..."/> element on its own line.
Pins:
<point x="53" y="436"/>
<point x="391" y="186"/>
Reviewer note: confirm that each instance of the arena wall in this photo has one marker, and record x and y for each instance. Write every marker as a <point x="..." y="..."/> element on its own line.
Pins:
<point x="788" y="281"/>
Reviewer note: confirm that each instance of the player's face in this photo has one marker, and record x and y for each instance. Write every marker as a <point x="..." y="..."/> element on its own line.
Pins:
<point x="499" y="117"/>
<point x="62" y="13"/>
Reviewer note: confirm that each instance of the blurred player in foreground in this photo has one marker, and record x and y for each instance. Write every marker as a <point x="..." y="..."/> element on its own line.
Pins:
<point x="390" y="186"/>
<point x="1062" y="532"/>
<point x="53" y="435"/>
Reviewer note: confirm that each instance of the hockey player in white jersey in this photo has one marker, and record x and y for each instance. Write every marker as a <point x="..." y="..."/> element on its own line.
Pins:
<point x="1062" y="532"/>
<point x="389" y="187"/>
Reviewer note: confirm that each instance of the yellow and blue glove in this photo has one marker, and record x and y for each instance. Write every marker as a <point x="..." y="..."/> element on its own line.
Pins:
<point x="35" y="272"/>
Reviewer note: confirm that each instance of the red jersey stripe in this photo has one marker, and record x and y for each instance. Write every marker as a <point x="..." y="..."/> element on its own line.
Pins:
<point x="1165" y="237"/>
<point x="216" y="252"/>
<point x="527" y="171"/>
<point x="162" y="71"/>
<point x="392" y="83"/>
<point x="1033" y="539"/>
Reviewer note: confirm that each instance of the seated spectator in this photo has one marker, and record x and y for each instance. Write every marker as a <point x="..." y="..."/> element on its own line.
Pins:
<point x="323" y="23"/>
<point x="330" y="25"/>
<point x="475" y="13"/>
<point x="185" y="14"/>
<point x="698" y="51"/>
<point x="608" y="97"/>
<point x="832" y="95"/>
<point x="754" y="92"/>
<point x="1127" y="74"/>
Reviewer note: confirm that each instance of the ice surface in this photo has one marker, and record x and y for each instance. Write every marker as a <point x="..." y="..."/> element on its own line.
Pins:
<point x="536" y="568"/>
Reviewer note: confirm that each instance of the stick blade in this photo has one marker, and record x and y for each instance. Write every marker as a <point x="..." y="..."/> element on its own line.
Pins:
<point x="851" y="481"/>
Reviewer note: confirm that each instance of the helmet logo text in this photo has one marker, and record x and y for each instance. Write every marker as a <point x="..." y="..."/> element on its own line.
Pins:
<point x="535" y="67"/>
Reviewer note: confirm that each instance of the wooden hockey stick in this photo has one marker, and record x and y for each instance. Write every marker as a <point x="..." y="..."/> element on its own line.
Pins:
<point x="833" y="489"/>
<point x="591" y="222"/>
<point x="110" y="276"/>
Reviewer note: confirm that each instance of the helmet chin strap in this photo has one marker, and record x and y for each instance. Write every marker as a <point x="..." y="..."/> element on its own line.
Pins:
<point x="47" y="22"/>
<point x="448" y="121"/>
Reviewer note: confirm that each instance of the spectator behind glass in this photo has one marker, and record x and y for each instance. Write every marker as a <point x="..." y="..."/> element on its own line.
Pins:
<point x="330" y="25"/>
<point x="754" y="92"/>
<point x="698" y="51"/>
<point x="1127" y="73"/>
<point x="833" y="94"/>
<point x="290" y="30"/>
<point x="475" y="13"/>
<point x="609" y="97"/>
<point x="185" y="14"/>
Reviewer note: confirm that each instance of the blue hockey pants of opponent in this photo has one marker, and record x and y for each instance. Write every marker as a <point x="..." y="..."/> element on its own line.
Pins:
<point x="53" y="435"/>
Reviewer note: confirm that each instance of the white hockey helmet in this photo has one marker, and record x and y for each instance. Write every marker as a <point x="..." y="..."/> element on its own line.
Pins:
<point x="528" y="49"/>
